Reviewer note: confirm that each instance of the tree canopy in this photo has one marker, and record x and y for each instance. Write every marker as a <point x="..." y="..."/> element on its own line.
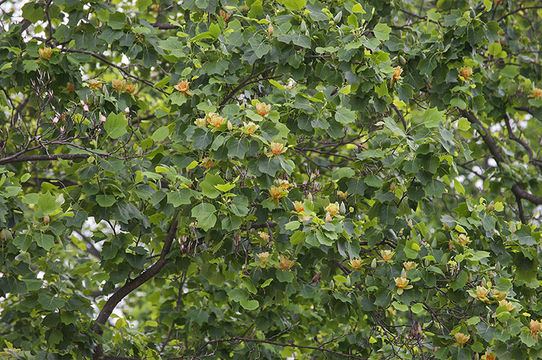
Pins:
<point x="301" y="179"/>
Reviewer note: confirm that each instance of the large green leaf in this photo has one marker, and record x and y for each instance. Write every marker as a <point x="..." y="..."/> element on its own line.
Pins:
<point x="204" y="214"/>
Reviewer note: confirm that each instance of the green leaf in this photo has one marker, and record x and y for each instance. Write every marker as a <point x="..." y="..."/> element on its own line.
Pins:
<point x="432" y="117"/>
<point x="239" y="206"/>
<point x="285" y="276"/>
<point x="105" y="200"/>
<point x="463" y="124"/>
<point x="345" y="116"/>
<point x="33" y="284"/>
<point x="178" y="98"/>
<point x="399" y="306"/>
<point x="45" y="241"/>
<point x="208" y="186"/>
<point x="50" y="303"/>
<point x="160" y="134"/>
<point x="344" y="172"/>
<point x="237" y="147"/>
<point x="358" y="9"/>
<point x="382" y="31"/>
<point x="292" y="225"/>
<point x="293" y="4"/>
<point x="117" y="20"/>
<point x="204" y="214"/>
<point x="417" y="308"/>
<point x="460" y="281"/>
<point x="178" y="198"/>
<point x="249" y="304"/>
<point x="225" y="187"/>
<point x="47" y="204"/>
<point x="115" y="125"/>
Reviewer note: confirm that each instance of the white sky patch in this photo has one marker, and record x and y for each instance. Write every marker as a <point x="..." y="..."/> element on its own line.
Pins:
<point x="491" y="162"/>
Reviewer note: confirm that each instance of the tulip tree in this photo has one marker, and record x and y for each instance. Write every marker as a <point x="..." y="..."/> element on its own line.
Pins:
<point x="260" y="180"/>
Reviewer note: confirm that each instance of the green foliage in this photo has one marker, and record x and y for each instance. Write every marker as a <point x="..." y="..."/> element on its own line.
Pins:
<point x="291" y="179"/>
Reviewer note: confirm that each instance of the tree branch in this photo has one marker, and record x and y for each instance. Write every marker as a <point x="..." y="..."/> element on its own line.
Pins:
<point x="518" y="10"/>
<point x="120" y="68"/>
<point x="247" y="81"/>
<point x="164" y="26"/>
<point x="400" y="115"/>
<point x="131" y="285"/>
<point x="8" y="159"/>
<point x="526" y="146"/>
<point x="264" y="341"/>
<point x="490" y="142"/>
<point x="484" y="133"/>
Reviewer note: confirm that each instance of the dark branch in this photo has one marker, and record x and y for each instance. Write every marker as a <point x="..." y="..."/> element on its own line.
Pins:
<point x="264" y="341"/>
<point x="131" y="285"/>
<point x="121" y="69"/>
<point x="249" y="80"/>
<point x="518" y="10"/>
<point x="8" y="160"/>
<point x="165" y="26"/>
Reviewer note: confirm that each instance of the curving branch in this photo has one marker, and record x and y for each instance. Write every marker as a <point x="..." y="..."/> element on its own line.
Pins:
<point x="252" y="78"/>
<point x="164" y="26"/>
<point x="517" y="190"/>
<point x="275" y="343"/>
<point x="120" y="68"/>
<point x="131" y="285"/>
<point x="29" y="158"/>
<point x="524" y="144"/>
<point x="518" y="10"/>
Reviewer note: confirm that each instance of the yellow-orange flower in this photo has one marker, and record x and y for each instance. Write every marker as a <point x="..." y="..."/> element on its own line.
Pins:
<point x="333" y="208"/>
<point x="285" y="263"/>
<point x="409" y="265"/>
<point x="397" y="72"/>
<point x="131" y="88"/>
<point x="200" y="122"/>
<point x="250" y="128"/>
<point x="489" y="356"/>
<point x="535" y="327"/>
<point x="499" y="295"/>
<point x="298" y="206"/>
<point x="355" y="264"/>
<point x="386" y="254"/>
<point x="270" y="30"/>
<point x="263" y="235"/>
<point x="465" y="71"/>
<point x="216" y="121"/>
<point x="118" y="84"/>
<point x="461" y="339"/>
<point x="225" y="15"/>
<point x="342" y="194"/>
<point x="507" y="305"/>
<point x="45" y="53"/>
<point x="463" y="239"/>
<point x="277" y="148"/>
<point x="182" y="86"/>
<point x="481" y="293"/>
<point x="206" y="162"/>
<point x="263" y="256"/>
<point x="284" y="184"/>
<point x="276" y="192"/>
<point x="536" y="93"/>
<point x="401" y="282"/>
<point x="263" y="109"/>
<point x="95" y="84"/>
<point x="70" y="87"/>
